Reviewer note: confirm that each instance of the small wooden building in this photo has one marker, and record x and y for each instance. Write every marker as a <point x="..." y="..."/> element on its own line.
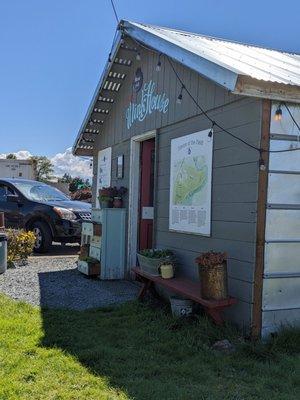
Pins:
<point x="187" y="123"/>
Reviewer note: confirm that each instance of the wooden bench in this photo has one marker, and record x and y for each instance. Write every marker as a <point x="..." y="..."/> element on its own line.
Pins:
<point x="185" y="287"/>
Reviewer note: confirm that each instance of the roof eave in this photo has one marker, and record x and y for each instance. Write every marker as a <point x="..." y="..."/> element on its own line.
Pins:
<point x="248" y="86"/>
<point x="204" y="67"/>
<point x="108" y="65"/>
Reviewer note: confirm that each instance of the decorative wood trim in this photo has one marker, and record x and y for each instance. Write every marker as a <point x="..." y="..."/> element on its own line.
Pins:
<point x="261" y="221"/>
<point x="267" y="90"/>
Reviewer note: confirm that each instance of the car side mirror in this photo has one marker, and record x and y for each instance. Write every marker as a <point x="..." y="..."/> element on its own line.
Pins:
<point x="12" y="198"/>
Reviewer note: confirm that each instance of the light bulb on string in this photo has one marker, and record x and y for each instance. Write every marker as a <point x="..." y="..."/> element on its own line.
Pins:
<point x="138" y="56"/>
<point x="179" y="98"/>
<point x="211" y="132"/>
<point x="158" y="65"/>
<point x="278" y="113"/>
<point x="262" y="165"/>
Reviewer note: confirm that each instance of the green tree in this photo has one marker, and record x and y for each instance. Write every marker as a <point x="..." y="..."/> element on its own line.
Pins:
<point x="67" y="178"/>
<point x="77" y="183"/>
<point x="43" y="168"/>
<point x="87" y="183"/>
<point x="11" y="156"/>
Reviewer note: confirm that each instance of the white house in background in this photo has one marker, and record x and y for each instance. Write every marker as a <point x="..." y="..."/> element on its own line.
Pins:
<point x="17" y="169"/>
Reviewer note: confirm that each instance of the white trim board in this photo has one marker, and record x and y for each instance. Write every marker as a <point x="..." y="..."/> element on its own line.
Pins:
<point x="134" y="195"/>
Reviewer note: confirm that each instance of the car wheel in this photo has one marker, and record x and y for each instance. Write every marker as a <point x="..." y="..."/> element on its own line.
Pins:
<point x="43" y="237"/>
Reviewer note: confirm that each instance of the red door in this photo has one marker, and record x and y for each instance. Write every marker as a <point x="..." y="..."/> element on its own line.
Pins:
<point x="146" y="194"/>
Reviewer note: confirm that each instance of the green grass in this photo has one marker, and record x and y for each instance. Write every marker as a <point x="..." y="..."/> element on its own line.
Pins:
<point x="135" y="352"/>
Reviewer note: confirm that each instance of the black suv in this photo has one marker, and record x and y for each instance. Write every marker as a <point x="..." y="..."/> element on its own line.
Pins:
<point x="43" y="209"/>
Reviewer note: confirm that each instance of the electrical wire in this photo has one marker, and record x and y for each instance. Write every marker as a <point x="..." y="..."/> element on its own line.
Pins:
<point x="291" y="115"/>
<point x="214" y="123"/>
<point x="115" y="12"/>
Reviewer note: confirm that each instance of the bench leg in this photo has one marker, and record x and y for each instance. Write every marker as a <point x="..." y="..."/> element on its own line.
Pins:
<point x="215" y="314"/>
<point x="144" y="289"/>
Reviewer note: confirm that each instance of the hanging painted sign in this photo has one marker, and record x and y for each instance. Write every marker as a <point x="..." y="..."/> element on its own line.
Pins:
<point x="138" y="80"/>
<point x="190" y="183"/>
<point x="103" y="169"/>
<point x="150" y="102"/>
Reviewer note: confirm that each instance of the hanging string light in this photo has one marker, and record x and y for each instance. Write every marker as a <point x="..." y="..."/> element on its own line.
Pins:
<point x="179" y="98"/>
<point x="278" y="113"/>
<point x="138" y="56"/>
<point x="262" y="165"/>
<point x="211" y="132"/>
<point x="158" y="65"/>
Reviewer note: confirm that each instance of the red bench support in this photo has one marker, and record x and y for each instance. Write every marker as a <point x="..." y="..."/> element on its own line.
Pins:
<point x="186" y="288"/>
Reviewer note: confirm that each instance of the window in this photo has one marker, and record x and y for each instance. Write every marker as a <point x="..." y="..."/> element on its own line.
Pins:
<point x="4" y="191"/>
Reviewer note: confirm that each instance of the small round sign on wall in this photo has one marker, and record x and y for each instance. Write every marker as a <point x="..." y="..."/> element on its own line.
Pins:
<point x="138" y="80"/>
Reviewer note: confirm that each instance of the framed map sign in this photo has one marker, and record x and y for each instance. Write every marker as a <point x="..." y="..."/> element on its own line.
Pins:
<point x="190" y="183"/>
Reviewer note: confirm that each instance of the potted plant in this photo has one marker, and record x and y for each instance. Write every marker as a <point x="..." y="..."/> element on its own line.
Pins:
<point x="213" y="275"/>
<point x="106" y="196"/>
<point x="118" y="197"/>
<point x="88" y="265"/>
<point x="167" y="269"/>
<point x="151" y="259"/>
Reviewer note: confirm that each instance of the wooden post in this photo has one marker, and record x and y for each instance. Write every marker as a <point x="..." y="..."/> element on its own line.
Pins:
<point x="261" y="221"/>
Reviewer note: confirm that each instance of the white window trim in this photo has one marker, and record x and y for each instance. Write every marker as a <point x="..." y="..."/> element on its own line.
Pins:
<point x="134" y="195"/>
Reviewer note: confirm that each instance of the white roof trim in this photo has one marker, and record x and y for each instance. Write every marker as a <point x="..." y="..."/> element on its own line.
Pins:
<point x="171" y="48"/>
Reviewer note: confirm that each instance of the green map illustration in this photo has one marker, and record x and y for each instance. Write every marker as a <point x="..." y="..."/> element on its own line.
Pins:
<point x="190" y="181"/>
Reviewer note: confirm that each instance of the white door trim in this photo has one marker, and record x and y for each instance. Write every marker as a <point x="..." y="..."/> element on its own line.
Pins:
<point x="134" y="195"/>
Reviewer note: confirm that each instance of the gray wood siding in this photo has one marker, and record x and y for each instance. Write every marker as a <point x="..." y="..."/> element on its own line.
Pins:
<point x="235" y="170"/>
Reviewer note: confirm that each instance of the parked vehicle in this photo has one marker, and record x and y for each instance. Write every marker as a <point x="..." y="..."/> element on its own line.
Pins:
<point x="44" y="209"/>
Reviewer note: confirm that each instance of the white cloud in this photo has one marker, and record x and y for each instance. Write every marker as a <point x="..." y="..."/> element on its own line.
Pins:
<point x="75" y="166"/>
<point x="21" y="154"/>
<point x="62" y="163"/>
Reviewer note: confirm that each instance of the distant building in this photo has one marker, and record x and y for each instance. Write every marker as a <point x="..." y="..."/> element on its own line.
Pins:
<point x="10" y="168"/>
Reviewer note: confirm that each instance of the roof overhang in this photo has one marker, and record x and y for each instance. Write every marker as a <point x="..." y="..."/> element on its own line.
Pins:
<point x="204" y="67"/>
<point x="229" y="79"/>
<point x="267" y="90"/>
<point x="87" y="149"/>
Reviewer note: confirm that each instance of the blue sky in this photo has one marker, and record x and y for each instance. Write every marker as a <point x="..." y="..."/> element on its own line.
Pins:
<point x="52" y="53"/>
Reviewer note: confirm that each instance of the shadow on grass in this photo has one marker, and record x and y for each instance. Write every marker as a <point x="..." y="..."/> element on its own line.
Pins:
<point x="149" y="355"/>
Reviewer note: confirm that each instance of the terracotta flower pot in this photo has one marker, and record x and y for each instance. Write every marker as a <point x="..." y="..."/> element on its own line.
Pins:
<point x="118" y="202"/>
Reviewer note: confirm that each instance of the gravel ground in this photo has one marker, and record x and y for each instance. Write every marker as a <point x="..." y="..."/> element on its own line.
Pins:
<point x="54" y="282"/>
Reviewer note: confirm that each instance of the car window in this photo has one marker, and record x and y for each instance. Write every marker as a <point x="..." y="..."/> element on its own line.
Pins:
<point x="38" y="191"/>
<point x="4" y="191"/>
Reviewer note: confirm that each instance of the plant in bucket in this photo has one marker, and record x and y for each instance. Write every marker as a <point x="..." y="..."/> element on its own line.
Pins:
<point x="151" y="259"/>
<point x="167" y="269"/>
<point x="106" y="196"/>
<point x="118" y="197"/>
<point x="213" y="275"/>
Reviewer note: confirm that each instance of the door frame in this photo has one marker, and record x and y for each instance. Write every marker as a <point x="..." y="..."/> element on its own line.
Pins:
<point x="134" y="195"/>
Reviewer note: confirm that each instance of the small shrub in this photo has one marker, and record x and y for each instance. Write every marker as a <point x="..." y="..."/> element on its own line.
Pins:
<point x="19" y="245"/>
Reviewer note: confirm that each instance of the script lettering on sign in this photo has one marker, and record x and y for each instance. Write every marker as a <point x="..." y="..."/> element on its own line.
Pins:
<point x="150" y="102"/>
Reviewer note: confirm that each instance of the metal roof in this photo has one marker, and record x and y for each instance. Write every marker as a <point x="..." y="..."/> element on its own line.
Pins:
<point x="242" y="59"/>
<point x="240" y="68"/>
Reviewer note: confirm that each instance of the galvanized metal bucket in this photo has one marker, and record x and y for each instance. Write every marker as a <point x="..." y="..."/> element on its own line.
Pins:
<point x="214" y="284"/>
<point x="181" y="307"/>
<point x="150" y="265"/>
